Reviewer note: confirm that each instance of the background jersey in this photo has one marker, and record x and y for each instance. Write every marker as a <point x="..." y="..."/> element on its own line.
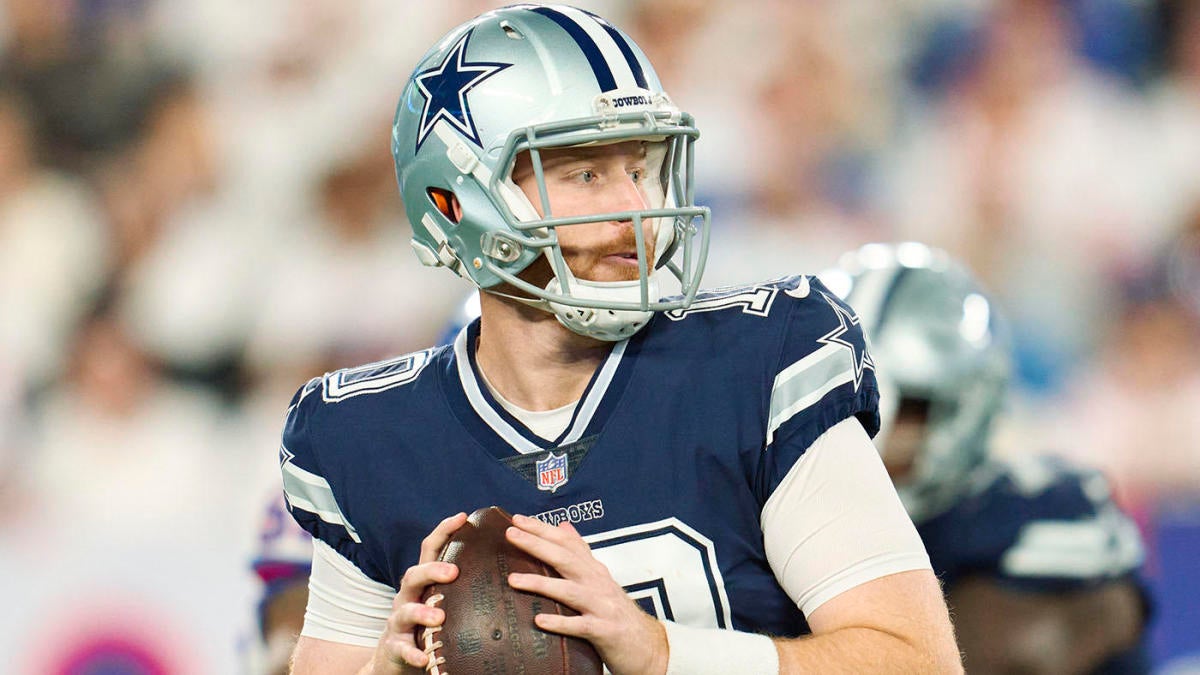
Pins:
<point x="283" y="554"/>
<point x="1038" y="524"/>
<point x="678" y="441"/>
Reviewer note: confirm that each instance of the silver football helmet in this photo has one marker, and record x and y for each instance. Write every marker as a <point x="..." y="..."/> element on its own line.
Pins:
<point x="520" y="80"/>
<point x="938" y="341"/>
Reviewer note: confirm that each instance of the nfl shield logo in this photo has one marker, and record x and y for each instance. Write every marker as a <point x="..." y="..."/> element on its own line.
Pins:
<point x="552" y="472"/>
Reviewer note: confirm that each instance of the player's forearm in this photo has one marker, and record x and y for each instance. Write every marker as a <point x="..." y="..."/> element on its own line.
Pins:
<point x="863" y="650"/>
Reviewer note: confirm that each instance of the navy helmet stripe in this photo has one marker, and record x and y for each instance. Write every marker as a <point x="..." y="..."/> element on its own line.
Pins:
<point x="635" y="67"/>
<point x="604" y="74"/>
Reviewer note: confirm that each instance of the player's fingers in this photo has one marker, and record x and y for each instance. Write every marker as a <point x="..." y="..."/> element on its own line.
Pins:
<point x="400" y="651"/>
<point x="575" y="626"/>
<point x="541" y="529"/>
<point x="561" y="590"/>
<point x="432" y="544"/>
<point x="559" y="557"/>
<point x="410" y="614"/>
<point x="417" y="577"/>
<point x="564" y="535"/>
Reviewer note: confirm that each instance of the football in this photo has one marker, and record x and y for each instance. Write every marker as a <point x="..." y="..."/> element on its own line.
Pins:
<point x="489" y="625"/>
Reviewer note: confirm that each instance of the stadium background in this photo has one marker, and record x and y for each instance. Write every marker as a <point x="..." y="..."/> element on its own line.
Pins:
<point x="198" y="213"/>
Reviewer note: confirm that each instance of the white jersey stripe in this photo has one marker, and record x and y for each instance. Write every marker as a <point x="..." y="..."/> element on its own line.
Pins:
<point x="479" y="402"/>
<point x="1107" y="545"/>
<point x="505" y="430"/>
<point x="592" y="402"/>
<point x="310" y="492"/>
<point x="805" y="382"/>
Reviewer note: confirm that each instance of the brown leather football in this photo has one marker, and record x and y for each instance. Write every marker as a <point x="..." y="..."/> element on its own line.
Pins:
<point x="489" y="625"/>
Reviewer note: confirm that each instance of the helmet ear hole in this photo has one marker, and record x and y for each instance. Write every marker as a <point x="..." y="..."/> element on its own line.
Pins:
<point x="443" y="201"/>
<point x="511" y="31"/>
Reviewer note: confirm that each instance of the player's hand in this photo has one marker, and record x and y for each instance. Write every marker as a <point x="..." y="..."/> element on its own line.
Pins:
<point x="628" y="640"/>
<point x="398" y="650"/>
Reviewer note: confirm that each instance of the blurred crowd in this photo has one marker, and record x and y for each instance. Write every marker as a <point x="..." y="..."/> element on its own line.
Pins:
<point x="198" y="213"/>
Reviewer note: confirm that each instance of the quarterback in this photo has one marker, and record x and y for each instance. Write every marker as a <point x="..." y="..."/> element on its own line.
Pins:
<point x="696" y="465"/>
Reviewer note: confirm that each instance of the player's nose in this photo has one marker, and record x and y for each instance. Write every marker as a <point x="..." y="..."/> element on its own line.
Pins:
<point x="627" y="195"/>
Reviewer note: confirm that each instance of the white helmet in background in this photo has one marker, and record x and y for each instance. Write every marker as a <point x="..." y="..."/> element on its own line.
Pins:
<point x="941" y="346"/>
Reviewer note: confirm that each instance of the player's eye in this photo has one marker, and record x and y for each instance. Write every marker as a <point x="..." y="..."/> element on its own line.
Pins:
<point x="636" y="175"/>
<point x="586" y="176"/>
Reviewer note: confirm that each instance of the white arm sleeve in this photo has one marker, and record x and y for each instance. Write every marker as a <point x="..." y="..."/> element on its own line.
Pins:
<point x="344" y="605"/>
<point x="835" y="521"/>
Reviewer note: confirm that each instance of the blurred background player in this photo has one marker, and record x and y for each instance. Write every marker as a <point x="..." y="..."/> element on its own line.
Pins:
<point x="282" y="558"/>
<point x="1040" y="567"/>
<point x="282" y="563"/>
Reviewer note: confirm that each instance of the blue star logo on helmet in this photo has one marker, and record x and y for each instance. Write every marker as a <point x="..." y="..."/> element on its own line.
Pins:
<point x="445" y="89"/>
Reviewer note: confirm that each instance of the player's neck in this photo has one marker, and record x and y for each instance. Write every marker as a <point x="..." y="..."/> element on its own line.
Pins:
<point x="531" y="359"/>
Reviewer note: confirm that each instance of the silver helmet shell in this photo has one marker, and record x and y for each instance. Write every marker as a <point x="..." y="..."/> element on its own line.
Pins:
<point x="936" y="337"/>
<point x="522" y="79"/>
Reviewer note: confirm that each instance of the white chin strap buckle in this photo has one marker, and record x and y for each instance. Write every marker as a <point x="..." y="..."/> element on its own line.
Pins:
<point x="611" y="325"/>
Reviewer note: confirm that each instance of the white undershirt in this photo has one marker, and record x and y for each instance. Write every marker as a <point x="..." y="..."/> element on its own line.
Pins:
<point x="853" y="530"/>
<point x="548" y="424"/>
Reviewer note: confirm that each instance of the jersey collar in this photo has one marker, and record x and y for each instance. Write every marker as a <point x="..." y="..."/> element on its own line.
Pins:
<point x="589" y="412"/>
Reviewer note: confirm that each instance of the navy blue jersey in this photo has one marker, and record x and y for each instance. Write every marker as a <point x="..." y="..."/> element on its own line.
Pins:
<point x="678" y="441"/>
<point x="1039" y="525"/>
<point x="1036" y="524"/>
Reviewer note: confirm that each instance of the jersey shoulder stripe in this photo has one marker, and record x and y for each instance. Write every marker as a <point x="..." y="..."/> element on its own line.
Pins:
<point x="314" y="443"/>
<point x="825" y="371"/>
<point x="1075" y="529"/>
<point x="1036" y="522"/>
<point x="307" y="491"/>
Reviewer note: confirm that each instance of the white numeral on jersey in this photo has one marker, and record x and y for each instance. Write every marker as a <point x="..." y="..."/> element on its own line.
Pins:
<point x="375" y="377"/>
<point x="668" y="568"/>
<point x="754" y="300"/>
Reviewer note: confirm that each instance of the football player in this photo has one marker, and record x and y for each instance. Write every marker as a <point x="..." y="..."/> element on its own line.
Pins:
<point x="282" y="561"/>
<point x="1040" y="566"/>
<point x="698" y="467"/>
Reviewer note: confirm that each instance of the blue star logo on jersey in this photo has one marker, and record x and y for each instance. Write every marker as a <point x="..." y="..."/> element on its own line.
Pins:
<point x="445" y="89"/>
<point x="860" y="358"/>
<point x="285" y="456"/>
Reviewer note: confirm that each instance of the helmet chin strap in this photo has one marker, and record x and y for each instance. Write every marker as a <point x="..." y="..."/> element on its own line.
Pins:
<point x="609" y="325"/>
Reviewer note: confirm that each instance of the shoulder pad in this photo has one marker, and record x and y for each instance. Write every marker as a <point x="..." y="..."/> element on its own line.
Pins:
<point x="1073" y="530"/>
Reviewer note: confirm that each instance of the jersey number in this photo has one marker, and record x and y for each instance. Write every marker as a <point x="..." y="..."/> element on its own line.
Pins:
<point x="669" y="569"/>
<point x="754" y="300"/>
